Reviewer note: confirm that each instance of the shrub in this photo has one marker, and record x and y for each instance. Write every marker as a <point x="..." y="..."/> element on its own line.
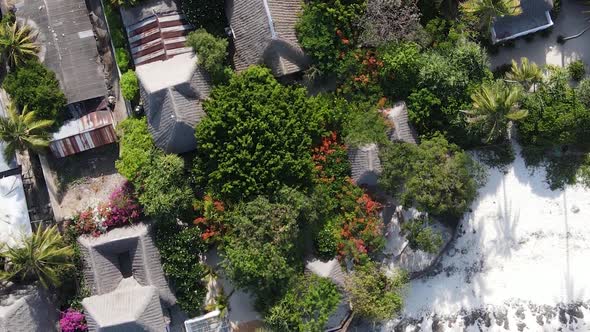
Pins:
<point x="257" y="136"/>
<point x="401" y="66"/>
<point x="436" y="176"/>
<point x="205" y="14"/>
<point x="420" y="235"/>
<point x="72" y="321"/>
<point x="136" y="148"/>
<point x="326" y="31"/>
<point x="261" y="251"/>
<point x="130" y="85"/>
<point x="122" y="58"/>
<point x="577" y="70"/>
<point x="122" y="209"/>
<point x="364" y="124"/>
<point x="180" y="248"/>
<point x="210" y="220"/>
<point x="373" y="294"/>
<point x="326" y="242"/>
<point x="583" y="91"/>
<point x="306" y="306"/>
<point x="115" y="27"/>
<point x="37" y="87"/>
<point x="211" y="52"/>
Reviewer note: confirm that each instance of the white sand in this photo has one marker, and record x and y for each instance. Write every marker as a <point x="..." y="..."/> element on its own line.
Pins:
<point x="523" y="243"/>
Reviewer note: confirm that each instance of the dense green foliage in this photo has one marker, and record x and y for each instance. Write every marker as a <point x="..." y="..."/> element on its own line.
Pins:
<point x="160" y="179"/>
<point x="116" y="29"/>
<point x="363" y="124"/>
<point x="122" y="58"/>
<point x="36" y="86"/>
<point x="261" y="247"/>
<point x="205" y="14"/>
<point x="180" y="248"/>
<point x="130" y="85"/>
<point x="257" y="136"/>
<point x="373" y="294"/>
<point x="577" y="70"/>
<point x="211" y="52"/>
<point x="306" y="307"/>
<point x="435" y="176"/>
<point x="326" y="31"/>
<point x="18" y="43"/>
<point x="421" y="236"/>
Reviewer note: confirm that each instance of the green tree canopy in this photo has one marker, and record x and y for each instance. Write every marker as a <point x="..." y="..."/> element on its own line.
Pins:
<point x="261" y="251"/>
<point x="130" y="85"/>
<point x="211" y="52"/>
<point x="257" y="136"/>
<point x="306" y="307"/>
<point x="17" y="43"/>
<point x="373" y="294"/>
<point x="36" y="86"/>
<point x="435" y="176"/>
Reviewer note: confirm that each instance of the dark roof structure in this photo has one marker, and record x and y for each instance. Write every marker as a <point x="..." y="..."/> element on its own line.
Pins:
<point x="535" y="16"/>
<point x="122" y="253"/>
<point x="26" y="309"/>
<point x="264" y="33"/>
<point x="68" y="45"/>
<point x="172" y="92"/>
<point x="402" y="129"/>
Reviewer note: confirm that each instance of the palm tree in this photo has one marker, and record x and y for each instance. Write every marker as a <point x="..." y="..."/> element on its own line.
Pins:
<point x="495" y="105"/>
<point x="41" y="257"/>
<point x="17" y="43"/>
<point x="23" y="131"/>
<point x="528" y="74"/>
<point x="488" y="10"/>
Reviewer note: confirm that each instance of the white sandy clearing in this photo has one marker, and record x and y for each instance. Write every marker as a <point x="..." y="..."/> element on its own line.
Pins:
<point x="523" y="243"/>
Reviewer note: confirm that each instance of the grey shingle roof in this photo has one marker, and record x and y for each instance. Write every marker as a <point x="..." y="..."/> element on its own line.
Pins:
<point x="101" y="261"/>
<point x="130" y="308"/>
<point x="402" y="130"/>
<point x="26" y="309"/>
<point x="174" y="107"/>
<point x="264" y="33"/>
<point x="66" y="33"/>
<point x="210" y="322"/>
<point x="365" y="164"/>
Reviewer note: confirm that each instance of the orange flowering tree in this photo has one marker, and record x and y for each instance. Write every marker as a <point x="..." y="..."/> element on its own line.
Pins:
<point x="210" y="218"/>
<point x="351" y="226"/>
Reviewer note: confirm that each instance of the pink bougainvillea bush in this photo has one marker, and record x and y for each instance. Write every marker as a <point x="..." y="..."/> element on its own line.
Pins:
<point x="121" y="209"/>
<point x="72" y="321"/>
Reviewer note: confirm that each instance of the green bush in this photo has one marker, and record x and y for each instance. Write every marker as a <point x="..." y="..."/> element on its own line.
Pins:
<point x="364" y="124"/>
<point x="257" y="136"/>
<point x="577" y="70"/>
<point x="583" y="91"/>
<point x="180" y="248"/>
<point x="37" y="87"/>
<point x="373" y="294"/>
<point x="327" y="31"/>
<point x="421" y="236"/>
<point x="306" y="306"/>
<point x="401" y="66"/>
<point x="205" y="14"/>
<point x="115" y="26"/>
<point x="326" y="242"/>
<point x="122" y="58"/>
<point x="130" y="85"/>
<point x="261" y="251"/>
<point x="211" y="52"/>
<point x="435" y="176"/>
<point x="136" y="148"/>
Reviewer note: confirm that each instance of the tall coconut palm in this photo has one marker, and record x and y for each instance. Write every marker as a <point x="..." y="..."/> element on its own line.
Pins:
<point x="17" y="43"/>
<point x="23" y="131"/>
<point x="487" y="10"/>
<point x="494" y="105"/>
<point x="40" y="257"/>
<point x="527" y="75"/>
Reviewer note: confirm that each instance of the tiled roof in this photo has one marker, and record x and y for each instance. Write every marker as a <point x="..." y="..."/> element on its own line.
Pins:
<point x="264" y="33"/>
<point x="69" y="46"/>
<point x="365" y="164"/>
<point x="402" y="130"/>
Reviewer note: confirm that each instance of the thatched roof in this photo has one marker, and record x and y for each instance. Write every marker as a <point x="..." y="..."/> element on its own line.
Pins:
<point x="26" y="309"/>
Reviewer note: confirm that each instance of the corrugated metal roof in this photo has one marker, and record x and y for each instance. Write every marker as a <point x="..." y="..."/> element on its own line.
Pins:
<point x="87" y="132"/>
<point x="70" y="48"/>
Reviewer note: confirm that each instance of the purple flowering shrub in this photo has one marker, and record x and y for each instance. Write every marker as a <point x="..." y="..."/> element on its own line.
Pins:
<point x="72" y="321"/>
<point x="122" y="209"/>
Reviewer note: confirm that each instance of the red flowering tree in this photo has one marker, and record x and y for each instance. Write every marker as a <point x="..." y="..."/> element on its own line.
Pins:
<point x="210" y="218"/>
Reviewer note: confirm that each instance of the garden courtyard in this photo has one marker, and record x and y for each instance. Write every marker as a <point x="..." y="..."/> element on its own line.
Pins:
<point x="519" y="261"/>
